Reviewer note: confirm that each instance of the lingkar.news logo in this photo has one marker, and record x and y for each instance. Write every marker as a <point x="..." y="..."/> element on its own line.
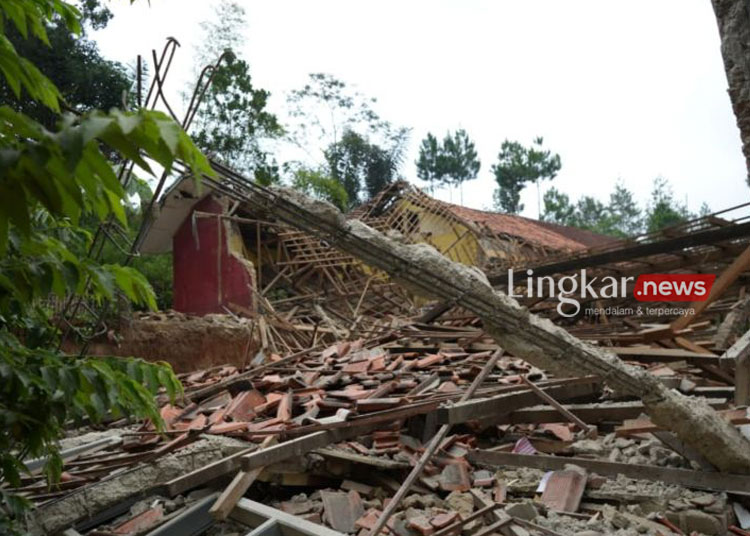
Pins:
<point x="571" y="289"/>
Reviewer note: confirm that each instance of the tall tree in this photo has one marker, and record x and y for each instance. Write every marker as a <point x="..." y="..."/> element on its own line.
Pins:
<point x="360" y="166"/>
<point x="360" y="149"/>
<point x="451" y="163"/>
<point x="558" y="208"/>
<point x="461" y="157"/>
<point x="518" y="165"/>
<point x="663" y="209"/>
<point x="624" y="212"/>
<point x="621" y="217"/>
<point x="430" y="165"/>
<point x="233" y="122"/>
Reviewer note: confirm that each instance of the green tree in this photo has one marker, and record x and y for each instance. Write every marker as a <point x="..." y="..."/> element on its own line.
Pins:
<point x="558" y="208"/>
<point x="50" y="180"/>
<point x="593" y="215"/>
<point x="619" y="218"/>
<point x="233" y="122"/>
<point x="663" y="209"/>
<point x="359" y="149"/>
<point x="73" y="63"/>
<point x="361" y="167"/>
<point x="518" y="165"/>
<point x="452" y="162"/>
<point x="430" y="165"/>
<point x="319" y="185"/>
<point x="625" y="215"/>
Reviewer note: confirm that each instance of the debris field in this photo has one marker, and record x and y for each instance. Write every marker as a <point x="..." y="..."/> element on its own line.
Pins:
<point x="389" y="385"/>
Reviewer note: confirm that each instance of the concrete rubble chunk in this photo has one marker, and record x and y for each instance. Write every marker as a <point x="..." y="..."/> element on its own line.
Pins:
<point x="522" y="510"/>
<point x="342" y="510"/>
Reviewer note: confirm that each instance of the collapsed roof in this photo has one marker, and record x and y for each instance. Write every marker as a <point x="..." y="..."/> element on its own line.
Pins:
<point x="355" y="400"/>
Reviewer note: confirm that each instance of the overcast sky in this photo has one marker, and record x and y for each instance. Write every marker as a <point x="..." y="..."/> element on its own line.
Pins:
<point x="626" y="89"/>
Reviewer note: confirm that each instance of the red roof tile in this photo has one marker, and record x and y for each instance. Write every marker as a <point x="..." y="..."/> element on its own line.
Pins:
<point x="558" y="237"/>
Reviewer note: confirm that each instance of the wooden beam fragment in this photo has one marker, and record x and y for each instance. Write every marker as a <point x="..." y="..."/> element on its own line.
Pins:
<point x="646" y="354"/>
<point x="490" y="410"/>
<point x="722" y="283"/>
<point x="740" y="352"/>
<point x="588" y="431"/>
<point x="588" y="413"/>
<point x="236" y="489"/>
<point x="722" y="482"/>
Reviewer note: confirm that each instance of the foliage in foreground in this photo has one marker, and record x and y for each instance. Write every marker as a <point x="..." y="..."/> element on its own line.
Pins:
<point x="52" y="179"/>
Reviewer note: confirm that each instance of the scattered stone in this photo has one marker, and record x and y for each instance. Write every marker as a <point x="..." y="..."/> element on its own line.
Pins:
<point x="461" y="502"/>
<point x="483" y="478"/>
<point x="523" y="510"/>
<point x="588" y="447"/>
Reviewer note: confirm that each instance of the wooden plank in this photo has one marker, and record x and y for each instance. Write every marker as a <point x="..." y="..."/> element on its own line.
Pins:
<point x="740" y="352"/>
<point x="237" y="488"/>
<point x="588" y="413"/>
<point x="588" y="431"/>
<point x="725" y="482"/>
<point x="644" y="425"/>
<point x="663" y="355"/>
<point x="491" y="409"/>
<point x="724" y="281"/>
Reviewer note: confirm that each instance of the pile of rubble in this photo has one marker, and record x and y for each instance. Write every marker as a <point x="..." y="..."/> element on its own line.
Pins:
<point x="474" y="416"/>
<point x="354" y="418"/>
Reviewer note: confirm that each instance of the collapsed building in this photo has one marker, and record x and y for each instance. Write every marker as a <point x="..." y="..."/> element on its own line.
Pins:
<point x="369" y="374"/>
<point x="374" y="377"/>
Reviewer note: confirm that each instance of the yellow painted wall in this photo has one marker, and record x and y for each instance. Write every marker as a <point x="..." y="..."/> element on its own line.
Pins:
<point x="458" y="240"/>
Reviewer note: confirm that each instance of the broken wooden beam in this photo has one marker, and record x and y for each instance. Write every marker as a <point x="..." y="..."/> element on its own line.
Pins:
<point x="588" y="431"/>
<point x="241" y="482"/>
<point x="722" y="482"/>
<point x="490" y="410"/>
<point x="740" y="353"/>
<point x="588" y="413"/>
<point x="725" y="279"/>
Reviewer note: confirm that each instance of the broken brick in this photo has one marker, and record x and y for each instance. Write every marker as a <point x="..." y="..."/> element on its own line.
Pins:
<point x="455" y="477"/>
<point x="422" y="525"/>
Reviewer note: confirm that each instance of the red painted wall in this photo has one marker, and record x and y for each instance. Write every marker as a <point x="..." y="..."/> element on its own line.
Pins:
<point x="196" y="266"/>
